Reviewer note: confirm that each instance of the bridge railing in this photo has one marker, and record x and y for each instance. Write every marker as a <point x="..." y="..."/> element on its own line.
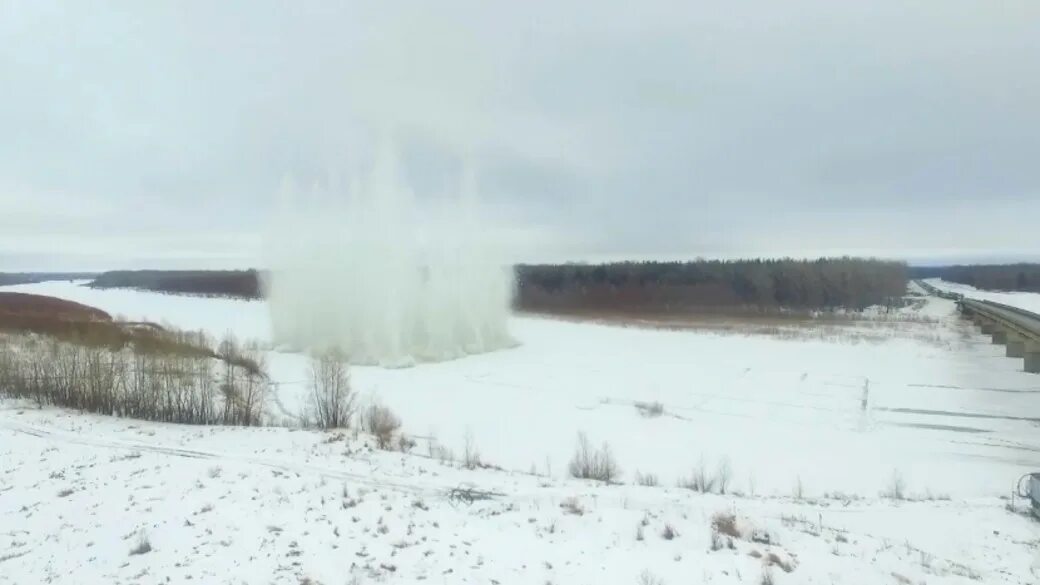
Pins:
<point x="1013" y="327"/>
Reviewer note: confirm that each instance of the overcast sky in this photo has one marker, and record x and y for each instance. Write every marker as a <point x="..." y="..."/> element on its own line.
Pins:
<point x="156" y="134"/>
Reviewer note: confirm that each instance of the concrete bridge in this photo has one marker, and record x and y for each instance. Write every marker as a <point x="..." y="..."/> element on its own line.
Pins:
<point x="1016" y="329"/>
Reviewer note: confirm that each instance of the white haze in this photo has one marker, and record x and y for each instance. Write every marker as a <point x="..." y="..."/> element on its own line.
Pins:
<point x="364" y="271"/>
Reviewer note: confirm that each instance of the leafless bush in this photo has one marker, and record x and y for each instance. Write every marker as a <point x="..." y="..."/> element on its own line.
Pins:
<point x="332" y="399"/>
<point x="648" y="578"/>
<point x="929" y="495"/>
<point x="723" y="475"/>
<point x="896" y="488"/>
<point x="439" y="452"/>
<point x="700" y="480"/>
<point x="405" y="443"/>
<point x="382" y="423"/>
<point x="589" y="463"/>
<point x="772" y="559"/>
<point x="646" y="480"/>
<point x="725" y="523"/>
<point x="669" y="532"/>
<point x="470" y="456"/>
<point x="649" y="409"/>
<point x="716" y="540"/>
<point x="143" y="545"/>
<point x="572" y="505"/>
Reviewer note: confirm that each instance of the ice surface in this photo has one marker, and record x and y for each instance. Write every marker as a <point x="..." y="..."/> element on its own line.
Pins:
<point x="948" y="411"/>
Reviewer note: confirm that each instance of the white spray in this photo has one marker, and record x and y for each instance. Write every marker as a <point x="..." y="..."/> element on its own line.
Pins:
<point x="365" y="272"/>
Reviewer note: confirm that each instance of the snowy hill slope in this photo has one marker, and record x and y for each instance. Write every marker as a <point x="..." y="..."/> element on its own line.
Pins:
<point x="82" y="497"/>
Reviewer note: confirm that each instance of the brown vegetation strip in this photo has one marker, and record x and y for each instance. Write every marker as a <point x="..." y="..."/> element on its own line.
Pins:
<point x="88" y="326"/>
<point x="12" y="303"/>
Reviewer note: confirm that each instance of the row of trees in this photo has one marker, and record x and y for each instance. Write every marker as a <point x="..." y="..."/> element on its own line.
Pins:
<point x="225" y="283"/>
<point x="677" y="286"/>
<point x="667" y="286"/>
<point x="1017" y="277"/>
<point x="137" y="380"/>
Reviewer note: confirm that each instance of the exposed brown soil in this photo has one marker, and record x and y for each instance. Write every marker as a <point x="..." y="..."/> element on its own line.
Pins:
<point x="85" y="325"/>
<point x="14" y="304"/>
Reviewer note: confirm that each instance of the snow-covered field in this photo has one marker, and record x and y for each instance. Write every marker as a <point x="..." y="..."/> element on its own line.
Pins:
<point x="79" y="492"/>
<point x="1023" y="300"/>
<point x="948" y="416"/>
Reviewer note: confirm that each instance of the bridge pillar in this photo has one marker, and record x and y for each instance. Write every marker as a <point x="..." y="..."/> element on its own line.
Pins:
<point x="1032" y="355"/>
<point x="987" y="327"/>
<point x="1000" y="337"/>
<point x="1016" y="346"/>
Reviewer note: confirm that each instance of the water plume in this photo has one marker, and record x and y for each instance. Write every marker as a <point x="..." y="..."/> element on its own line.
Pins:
<point x="365" y="272"/>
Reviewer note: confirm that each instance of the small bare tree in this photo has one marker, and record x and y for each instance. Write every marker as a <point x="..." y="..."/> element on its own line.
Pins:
<point x="253" y="391"/>
<point x="333" y="400"/>
<point x="589" y="463"/>
<point x="381" y="422"/>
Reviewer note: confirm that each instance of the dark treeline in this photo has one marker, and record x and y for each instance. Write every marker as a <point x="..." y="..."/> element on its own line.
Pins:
<point x="229" y="283"/>
<point x="1017" y="277"/>
<point x="691" y="286"/>
<point x="637" y="286"/>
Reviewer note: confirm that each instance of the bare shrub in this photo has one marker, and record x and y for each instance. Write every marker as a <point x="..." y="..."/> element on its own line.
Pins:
<point x="648" y="578"/>
<point x="649" y="409"/>
<point x="572" y="505"/>
<point x="773" y="559"/>
<point x="646" y="480"/>
<point x="725" y="523"/>
<point x="443" y="454"/>
<point x="589" y="463"/>
<point x="896" y="488"/>
<point x="700" y="480"/>
<point x="382" y="423"/>
<point x="253" y="387"/>
<point x="723" y="475"/>
<point x="470" y="456"/>
<point x="799" y="489"/>
<point x="669" y="532"/>
<point x="332" y="399"/>
<point x="143" y="545"/>
<point x="437" y="451"/>
<point x="767" y="576"/>
<point x="405" y="443"/>
<point x="716" y="540"/>
<point x="932" y="496"/>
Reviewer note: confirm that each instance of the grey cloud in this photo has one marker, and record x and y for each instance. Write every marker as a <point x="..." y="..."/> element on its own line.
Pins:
<point x="667" y="129"/>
